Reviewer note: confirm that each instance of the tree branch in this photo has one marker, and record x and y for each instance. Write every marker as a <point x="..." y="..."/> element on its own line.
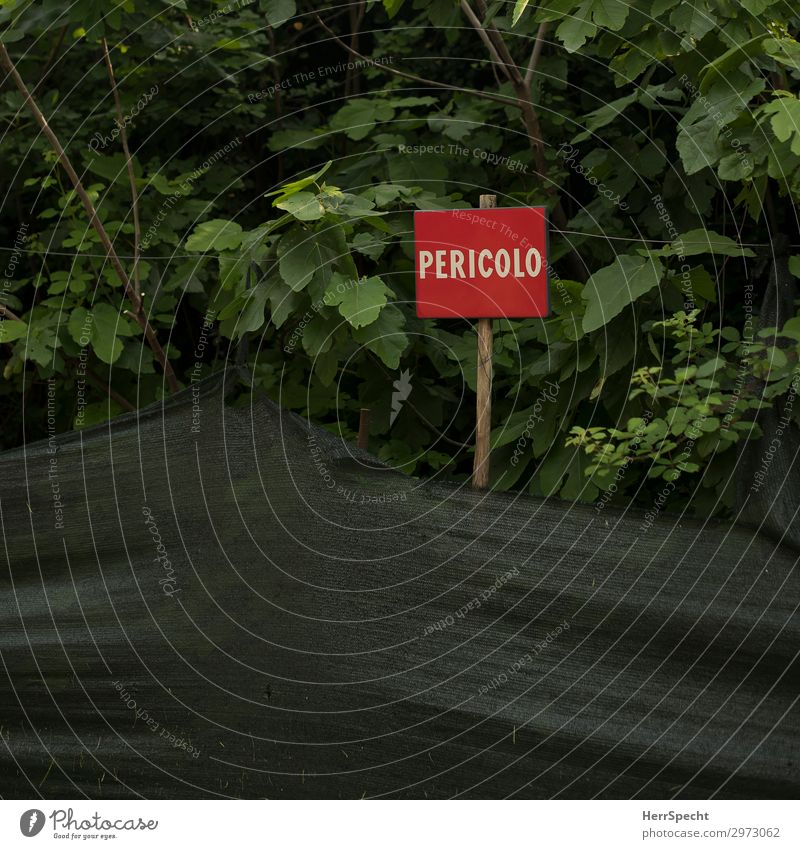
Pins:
<point x="131" y="294"/>
<point x="473" y="19"/>
<point x="485" y="95"/>
<point x="112" y="393"/>
<point x="123" y="134"/>
<point x="538" y="44"/>
<point x="524" y="102"/>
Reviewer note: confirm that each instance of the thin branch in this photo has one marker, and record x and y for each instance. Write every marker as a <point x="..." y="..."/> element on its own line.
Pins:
<point x="538" y="44"/>
<point x="530" y="118"/>
<point x="352" y="78"/>
<point x="485" y="95"/>
<point x="130" y="293"/>
<point x="497" y="41"/>
<point x="6" y="312"/>
<point x="123" y="134"/>
<point x="112" y="393"/>
<point x="473" y="19"/>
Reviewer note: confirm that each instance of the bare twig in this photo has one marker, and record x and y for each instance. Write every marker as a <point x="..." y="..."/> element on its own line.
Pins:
<point x="130" y="292"/>
<point x="123" y="134"/>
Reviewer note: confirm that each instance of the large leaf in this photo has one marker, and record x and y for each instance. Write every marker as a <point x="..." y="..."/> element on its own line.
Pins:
<point x="609" y="290"/>
<point x="296" y="265"/>
<point x="385" y="336"/>
<point x="785" y="120"/>
<point x="702" y="241"/>
<point x="215" y="235"/>
<point x="304" y="206"/>
<point x="699" y="145"/>
<point x="277" y="12"/>
<point x="359" y="300"/>
<point x="11" y="330"/>
<point x="358" y="118"/>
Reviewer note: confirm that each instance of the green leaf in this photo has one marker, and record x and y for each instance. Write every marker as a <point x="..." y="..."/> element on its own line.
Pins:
<point x="734" y="167"/>
<point x="385" y="336"/>
<point x="699" y="145"/>
<point x="715" y="71"/>
<point x="296" y="262"/>
<point x="289" y="189"/>
<point x="104" y="338"/>
<point x="392" y="7"/>
<point x="215" y="235"/>
<point x="710" y="367"/>
<point x="785" y="121"/>
<point x="574" y="31"/>
<point x="359" y="301"/>
<point x="609" y="290"/>
<point x="304" y="206"/>
<point x="519" y="8"/>
<point x="702" y="241"/>
<point x="278" y="12"/>
<point x="358" y="118"/>
<point x="610" y="14"/>
<point x="604" y="115"/>
<point x="11" y="330"/>
<point x="694" y="20"/>
<point x="756" y="7"/>
<point x="318" y="334"/>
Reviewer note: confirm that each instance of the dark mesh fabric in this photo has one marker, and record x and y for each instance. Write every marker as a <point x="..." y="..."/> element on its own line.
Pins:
<point x="307" y="630"/>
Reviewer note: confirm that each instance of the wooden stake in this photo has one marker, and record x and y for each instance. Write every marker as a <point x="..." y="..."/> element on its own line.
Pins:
<point x="483" y="421"/>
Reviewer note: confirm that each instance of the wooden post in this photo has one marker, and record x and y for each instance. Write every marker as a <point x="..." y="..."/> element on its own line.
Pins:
<point x="363" y="429"/>
<point x="483" y="421"/>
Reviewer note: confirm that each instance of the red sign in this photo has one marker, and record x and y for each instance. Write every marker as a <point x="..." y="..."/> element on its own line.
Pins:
<point x="482" y="263"/>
